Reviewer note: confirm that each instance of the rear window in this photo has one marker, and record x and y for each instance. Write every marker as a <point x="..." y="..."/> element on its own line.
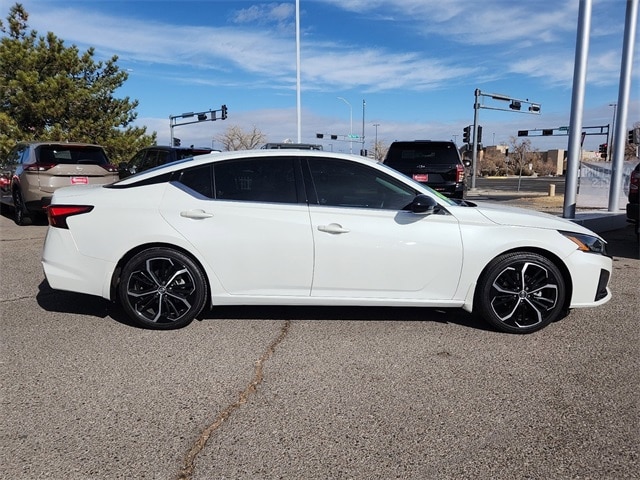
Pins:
<point x="410" y="154"/>
<point x="71" y="154"/>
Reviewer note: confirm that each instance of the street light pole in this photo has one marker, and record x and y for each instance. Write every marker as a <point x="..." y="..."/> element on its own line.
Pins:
<point x="350" y="123"/>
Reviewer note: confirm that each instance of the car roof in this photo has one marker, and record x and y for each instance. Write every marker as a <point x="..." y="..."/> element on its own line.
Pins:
<point x="168" y="147"/>
<point x="71" y="144"/>
<point x="222" y="156"/>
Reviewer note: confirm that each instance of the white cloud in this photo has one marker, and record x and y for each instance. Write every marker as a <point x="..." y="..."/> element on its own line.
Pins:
<point x="264" y="13"/>
<point x="248" y="50"/>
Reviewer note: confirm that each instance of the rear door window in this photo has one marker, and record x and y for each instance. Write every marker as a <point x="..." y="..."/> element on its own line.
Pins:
<point x="256" y="180"/>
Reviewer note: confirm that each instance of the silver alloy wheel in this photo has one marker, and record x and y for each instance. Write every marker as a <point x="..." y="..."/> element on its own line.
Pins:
<point x="162" y="288"/>
<point x="523" y="295"/>
<point x="521" y="292"/>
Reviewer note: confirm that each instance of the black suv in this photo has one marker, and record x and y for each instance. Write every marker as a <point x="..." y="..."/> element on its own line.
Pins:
<point x="158" y="155"/>
<point x="434" y="163"/>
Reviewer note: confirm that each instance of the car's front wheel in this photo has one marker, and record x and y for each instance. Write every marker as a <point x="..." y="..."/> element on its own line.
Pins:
<point x="521" y="293"/>
<point x="162" y="288"/>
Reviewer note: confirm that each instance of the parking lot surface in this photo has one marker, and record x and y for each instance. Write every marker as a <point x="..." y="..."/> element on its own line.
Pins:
<point x="266" y="393"/>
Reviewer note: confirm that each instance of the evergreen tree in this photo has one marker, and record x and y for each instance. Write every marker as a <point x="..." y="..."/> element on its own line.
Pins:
<point x="52" y="92"/>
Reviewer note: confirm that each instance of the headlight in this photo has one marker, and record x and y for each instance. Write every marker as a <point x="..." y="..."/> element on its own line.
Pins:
<point x="587" y="243"/>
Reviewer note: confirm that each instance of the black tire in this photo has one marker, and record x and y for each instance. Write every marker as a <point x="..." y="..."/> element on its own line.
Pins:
<point x="521" y="293"/>
<point x="20" y="213"/>
<point x="162" y="289"/>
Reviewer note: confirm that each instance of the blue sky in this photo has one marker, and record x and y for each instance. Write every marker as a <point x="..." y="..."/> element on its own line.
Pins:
<point x="416" y="64"/>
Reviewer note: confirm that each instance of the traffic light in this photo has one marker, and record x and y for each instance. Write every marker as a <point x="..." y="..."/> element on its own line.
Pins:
<point x="603" y="150"/>
<point x="515" y="105"/>
<point x="466" y="134"/>
<point x="479" y="141"/>
<point x="176" y="142"/>
<point x="202" y="117"/>
<point x="630" y="136"/>
<point x="319" y="135"/>
<point x="224" y="112"/>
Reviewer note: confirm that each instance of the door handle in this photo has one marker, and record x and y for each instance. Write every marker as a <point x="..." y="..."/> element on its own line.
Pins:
<point x="333" y="228"/>
<point x="196" y="214"/>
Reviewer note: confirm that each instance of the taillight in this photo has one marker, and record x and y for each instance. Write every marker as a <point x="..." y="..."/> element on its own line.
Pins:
<point x="110" y="168"/>
<point x="58" y="214"/>
<point x="39" y="167"/>
<point x="459" y="173"/>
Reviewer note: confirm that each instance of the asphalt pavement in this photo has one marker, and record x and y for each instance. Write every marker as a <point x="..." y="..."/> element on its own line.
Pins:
<point x="312" y="393"/>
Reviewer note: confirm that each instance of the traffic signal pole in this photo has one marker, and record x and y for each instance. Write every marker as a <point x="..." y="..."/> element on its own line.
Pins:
<point x="515" y="106"/>
<point x="474" y="151"/>
<point x="577" y="106"/>
<point x="205" y="116"/>
<point x="617" y="156"/>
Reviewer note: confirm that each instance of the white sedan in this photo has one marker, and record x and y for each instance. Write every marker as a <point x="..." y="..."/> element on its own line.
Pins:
<point x="300" y="227"/>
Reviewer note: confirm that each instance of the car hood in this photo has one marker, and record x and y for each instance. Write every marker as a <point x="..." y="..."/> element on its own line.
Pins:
<point x="522" y="217"/>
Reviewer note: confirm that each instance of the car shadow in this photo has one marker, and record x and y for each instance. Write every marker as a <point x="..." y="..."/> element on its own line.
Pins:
<point x="61" y="301"/>
<point x="80" y="304"/>
<point x="7" y="212"/>
<point x="406" y="314"/>
<point x="623" y="243"/>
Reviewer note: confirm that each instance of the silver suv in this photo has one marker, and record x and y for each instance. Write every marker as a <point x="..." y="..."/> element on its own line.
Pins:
<point x="34" y="170"/>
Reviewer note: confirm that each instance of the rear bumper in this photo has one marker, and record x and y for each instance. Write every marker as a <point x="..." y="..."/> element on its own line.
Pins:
<point x="455" y="190"/>
<point x="65" y="269"/>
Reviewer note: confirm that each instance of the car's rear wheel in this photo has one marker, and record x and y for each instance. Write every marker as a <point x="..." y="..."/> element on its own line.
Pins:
<point x="521" y="293"/>
<point x="20" y="213"/>
<point x="162" y="288"/>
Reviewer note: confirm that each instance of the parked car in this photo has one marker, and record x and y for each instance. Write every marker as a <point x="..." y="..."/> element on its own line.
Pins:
<point x="632" y="206"/>
<point x="34" y="170"/>
<point x="157" y="155"/>
<point x="433" y="163"/>
<point x="307" y="227"/>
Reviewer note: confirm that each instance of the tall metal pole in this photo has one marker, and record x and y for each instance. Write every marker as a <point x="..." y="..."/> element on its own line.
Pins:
<point x="298" y="108"/>
<point x="364" y="104"/>
<point x="350" y="123"/>
<point x="577" y="107"/>
<point x="617" y="160"/>
<point x="474" y="153"/>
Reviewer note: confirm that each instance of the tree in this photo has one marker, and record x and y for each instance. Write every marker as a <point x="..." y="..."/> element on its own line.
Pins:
<point x="234" y="138"/>
<point x="52" y="92"/>
<point x="379" y="150"/>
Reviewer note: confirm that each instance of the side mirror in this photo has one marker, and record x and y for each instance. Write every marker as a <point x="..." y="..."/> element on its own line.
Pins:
<point x="423" y="205"/>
